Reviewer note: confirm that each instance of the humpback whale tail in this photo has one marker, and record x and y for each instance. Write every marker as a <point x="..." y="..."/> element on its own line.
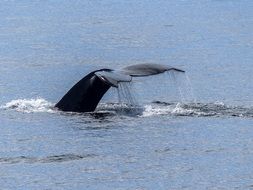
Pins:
<point x="85" y="95"/>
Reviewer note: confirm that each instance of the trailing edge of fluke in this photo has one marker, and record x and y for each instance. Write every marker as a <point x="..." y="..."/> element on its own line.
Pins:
<point x="85" y="95"/>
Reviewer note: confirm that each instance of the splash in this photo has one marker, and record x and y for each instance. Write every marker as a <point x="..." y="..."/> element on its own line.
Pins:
<point x="216" y="109"/>
<point x="30" y="105"/>
<point x="176" y="110"/>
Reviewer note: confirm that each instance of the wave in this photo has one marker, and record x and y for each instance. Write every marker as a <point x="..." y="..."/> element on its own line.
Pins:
<point x="216" y="109"/>
<point x="30" y="106"/>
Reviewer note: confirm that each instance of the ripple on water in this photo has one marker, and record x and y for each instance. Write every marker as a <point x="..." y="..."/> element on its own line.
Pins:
<point x="47" y="159"/>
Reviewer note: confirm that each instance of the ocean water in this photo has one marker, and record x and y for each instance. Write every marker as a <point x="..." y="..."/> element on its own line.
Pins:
<point x="187" y="131"/>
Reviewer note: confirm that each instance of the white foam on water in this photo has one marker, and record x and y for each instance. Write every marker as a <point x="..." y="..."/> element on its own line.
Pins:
<point x="30" y="105"/>
<point x="120" y="108"/>
<point x="180" y="110"/>
<point x="152" y="110"/>
<point x="216" y="109"/>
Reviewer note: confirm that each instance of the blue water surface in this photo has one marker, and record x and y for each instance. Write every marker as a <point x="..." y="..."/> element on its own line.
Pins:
<point x="198" y="140"/>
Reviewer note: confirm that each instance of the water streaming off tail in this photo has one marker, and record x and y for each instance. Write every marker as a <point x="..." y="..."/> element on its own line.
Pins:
<point x="177" y="85"/>
<point x="182" y="85"/>
<point x="123" y="101"/>
<point x="125" y="94"/>
<point x="189" y="88"/>
<point x="169" y="87"/>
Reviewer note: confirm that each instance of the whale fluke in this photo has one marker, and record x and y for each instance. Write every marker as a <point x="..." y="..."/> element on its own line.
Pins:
<point x="85" y="95"/>
<point x="147" y="69"/>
